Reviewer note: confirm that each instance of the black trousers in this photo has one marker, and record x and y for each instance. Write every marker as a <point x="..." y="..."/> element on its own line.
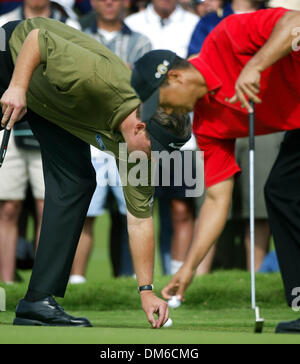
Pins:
<point x="282" y="194"/>
<point x="70" y="181"/>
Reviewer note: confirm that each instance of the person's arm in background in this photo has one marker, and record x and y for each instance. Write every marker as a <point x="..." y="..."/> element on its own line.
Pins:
<point x="210" y="224"/>
<point x="13" y="101"/>
<point x="279" y="45"/>
<point x="141" y="238"/>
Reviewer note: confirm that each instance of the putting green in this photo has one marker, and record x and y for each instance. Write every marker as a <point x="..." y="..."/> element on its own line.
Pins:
<point x="217" y="308"/>
<point x="130" y="327"/>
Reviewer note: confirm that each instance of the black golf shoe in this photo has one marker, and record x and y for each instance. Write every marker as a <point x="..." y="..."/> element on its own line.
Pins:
<point x="46" y="312"/>
<point x="290" y="327"/>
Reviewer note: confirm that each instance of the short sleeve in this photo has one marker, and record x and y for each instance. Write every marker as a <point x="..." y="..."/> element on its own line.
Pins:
<point x="219" y="159"/>
<point x="137" y="187"/>
<point x="139" y="200"/>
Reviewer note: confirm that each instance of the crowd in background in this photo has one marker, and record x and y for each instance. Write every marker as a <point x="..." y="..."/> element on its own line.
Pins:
<point x="130" y="28"/>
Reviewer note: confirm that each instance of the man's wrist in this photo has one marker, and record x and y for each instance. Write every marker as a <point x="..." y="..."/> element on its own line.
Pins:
<point x="146" y="288"/>
<point x="257" y="63"/>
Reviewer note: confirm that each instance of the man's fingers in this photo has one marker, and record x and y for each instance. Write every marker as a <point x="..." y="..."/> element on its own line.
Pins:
<point x="22" y="114"/>
<point x="6" y="116"/>
<point x="170" y="290"/>
<point x="13" y="119"/>
<point x="233" y="100"/>
<point x="252" y="94"/>
<point x="16" y="115"/>
<point x="180" y="291"/>
<point x="253" y="88"/>
<point x="239" y="96"/>
<point x="166" y="316"/>
<point x="151" y="319"/>
<point x="242" y="98"/>
<point x="165" y="293"/>
<point x="3" y="107"/>
<point x="163" y="315"/>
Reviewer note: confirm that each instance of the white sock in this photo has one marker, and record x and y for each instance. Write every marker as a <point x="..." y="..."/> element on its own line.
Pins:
<point x="175" y="266"/>
<point x="77" y="279"/>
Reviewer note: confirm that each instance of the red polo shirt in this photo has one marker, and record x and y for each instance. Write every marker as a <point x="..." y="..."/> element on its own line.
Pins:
<point x="224" y="54"/>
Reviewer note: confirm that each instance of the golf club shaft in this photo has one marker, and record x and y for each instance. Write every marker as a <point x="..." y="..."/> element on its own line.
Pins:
<point x="252" y="201"/>
<point x="4" y="145"/>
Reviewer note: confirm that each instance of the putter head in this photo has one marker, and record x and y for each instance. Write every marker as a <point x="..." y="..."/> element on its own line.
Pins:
<point x="259" y="322"/>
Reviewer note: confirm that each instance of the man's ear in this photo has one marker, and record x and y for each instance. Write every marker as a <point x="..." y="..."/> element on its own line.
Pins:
<point x="140" y="127"/>
<point x="174" y="76"/>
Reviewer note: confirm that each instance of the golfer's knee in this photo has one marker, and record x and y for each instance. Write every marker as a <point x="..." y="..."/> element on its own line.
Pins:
<point x="10" y="211"/>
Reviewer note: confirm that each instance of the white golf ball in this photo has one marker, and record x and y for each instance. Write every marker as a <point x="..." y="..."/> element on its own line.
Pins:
<point x="169" y="323"/>
<point x="174" y="302"/>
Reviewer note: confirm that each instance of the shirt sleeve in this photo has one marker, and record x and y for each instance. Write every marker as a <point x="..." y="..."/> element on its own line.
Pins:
<point x="138" y="190"/>
<point x="219" y="159"/>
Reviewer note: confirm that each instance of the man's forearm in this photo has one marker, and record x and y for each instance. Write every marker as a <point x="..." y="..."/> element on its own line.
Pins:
<point x="28" y="60"/>
<point x="280" y="42"/>
<point x="141" y="237"/>
<point x="210" y="223"/>
<point x="13" y="101"/>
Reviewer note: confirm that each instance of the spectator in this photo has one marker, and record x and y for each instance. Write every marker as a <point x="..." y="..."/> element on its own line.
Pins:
<point x="213" y="5"/>
<point x="43" y="8"/>
<point x="81" y="6"/>
<point x="7" y="5"/>
<point x="187" y="5"/>
<point x="200" y="7"/>
<point x="215" y="15"/>
<point x="22" y="165"/>
<point x="289" y="4"/>
<point x="109" y="29"/>
<point x="169" y="26"/>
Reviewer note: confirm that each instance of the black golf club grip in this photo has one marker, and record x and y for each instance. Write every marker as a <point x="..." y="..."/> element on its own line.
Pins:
<point x="252" y="127"/>
<point x="4" y="145"/>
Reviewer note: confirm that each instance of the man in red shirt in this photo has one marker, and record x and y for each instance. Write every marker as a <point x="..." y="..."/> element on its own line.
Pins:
<point x="251" y="56"/>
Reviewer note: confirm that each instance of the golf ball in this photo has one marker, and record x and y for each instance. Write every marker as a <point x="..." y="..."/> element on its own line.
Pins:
<point x="174" y="302"/>
<point x="169" y="323"/>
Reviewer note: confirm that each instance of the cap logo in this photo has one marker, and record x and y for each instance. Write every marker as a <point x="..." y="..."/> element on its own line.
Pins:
<point x="176" y="145"/>
<point x="162" y="69"/>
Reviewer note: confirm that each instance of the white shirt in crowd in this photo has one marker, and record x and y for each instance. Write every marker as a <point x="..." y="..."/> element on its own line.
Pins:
<point x="173" y="33"/>
<point x="289" y="4"/>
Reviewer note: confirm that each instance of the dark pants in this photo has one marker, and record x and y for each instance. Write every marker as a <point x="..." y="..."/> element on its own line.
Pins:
<point x="282" y="193"/>
<point x="70" y="181"/>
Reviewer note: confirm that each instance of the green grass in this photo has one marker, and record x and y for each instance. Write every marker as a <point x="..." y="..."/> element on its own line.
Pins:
<point x="217" y="308"/>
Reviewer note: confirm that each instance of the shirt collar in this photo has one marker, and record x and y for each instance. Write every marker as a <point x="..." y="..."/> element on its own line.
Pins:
<point x="211" y="79"/>
<point x="125" y="29"/>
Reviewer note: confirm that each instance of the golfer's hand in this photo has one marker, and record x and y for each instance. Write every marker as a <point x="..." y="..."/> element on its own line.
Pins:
<point x="179" y="283"/>
<point x="154" y="305"/>
<point x="13" y="103"/>
<point x="247" y="87"/>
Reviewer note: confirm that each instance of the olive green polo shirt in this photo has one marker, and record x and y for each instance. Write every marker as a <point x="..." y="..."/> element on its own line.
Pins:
<point x="84" y="88"/>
